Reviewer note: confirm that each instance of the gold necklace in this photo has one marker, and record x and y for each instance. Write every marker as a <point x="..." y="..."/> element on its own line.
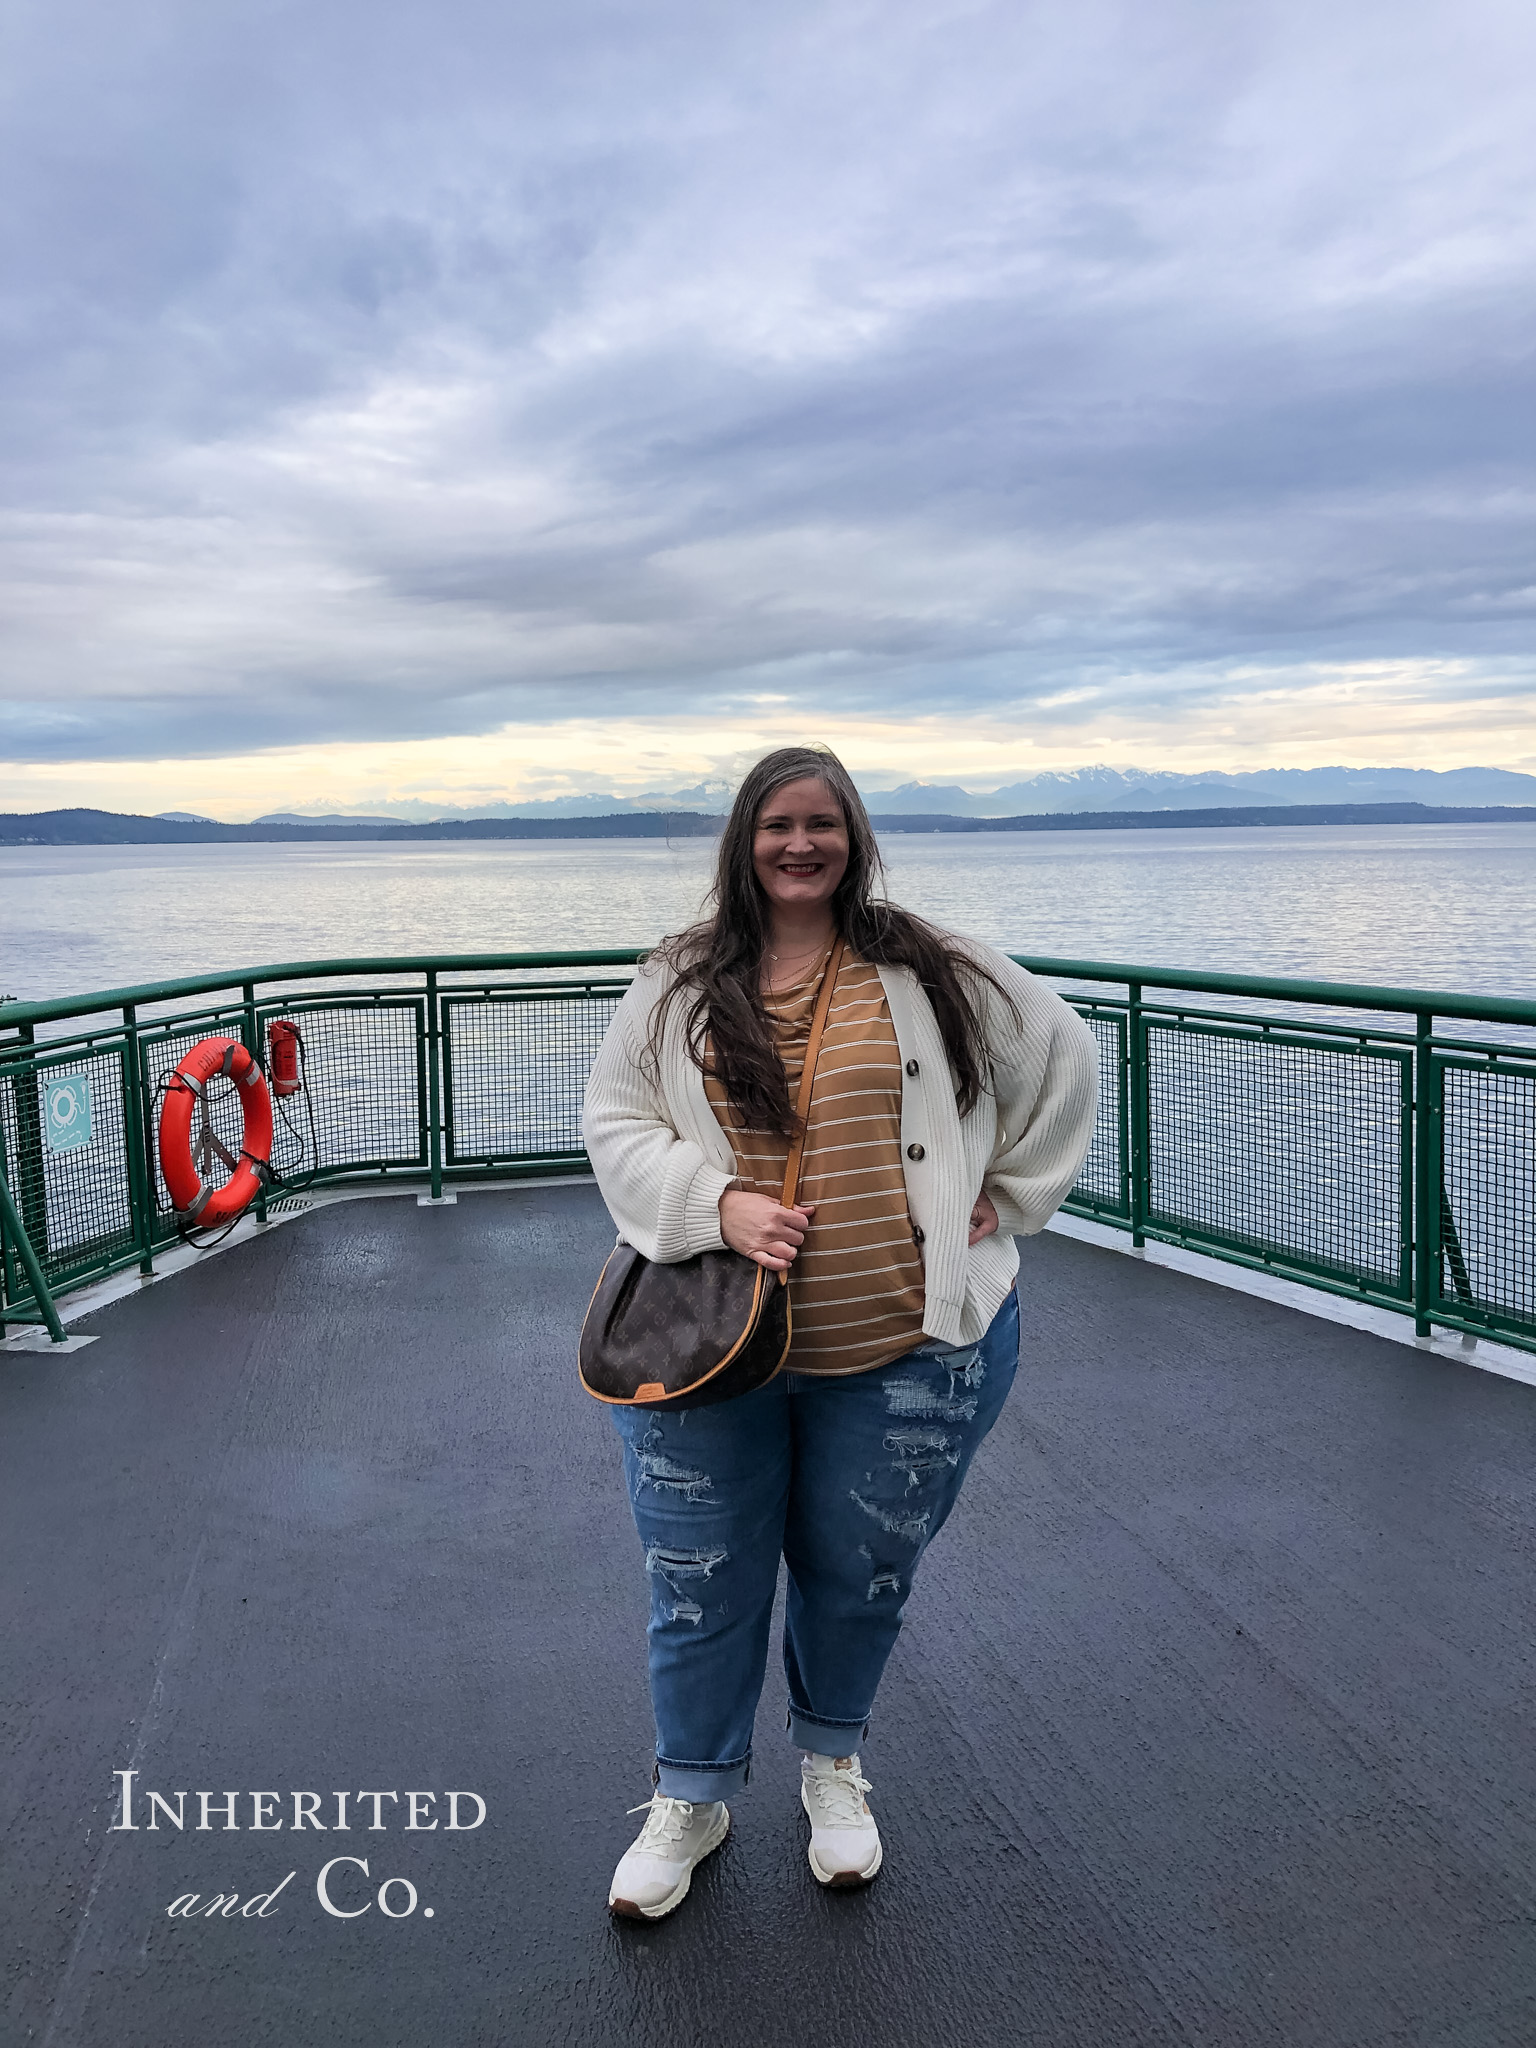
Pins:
<point x="802" y="960"/>
<point x="821" y="946"/>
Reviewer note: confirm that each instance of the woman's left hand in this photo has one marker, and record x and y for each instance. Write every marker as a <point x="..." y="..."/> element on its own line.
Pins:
<point x="983" y="1219"/>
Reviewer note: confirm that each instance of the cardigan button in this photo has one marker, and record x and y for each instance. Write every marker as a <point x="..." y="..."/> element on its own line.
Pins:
<point x="914" y="1151"/>
<point x="912" y="1068"/>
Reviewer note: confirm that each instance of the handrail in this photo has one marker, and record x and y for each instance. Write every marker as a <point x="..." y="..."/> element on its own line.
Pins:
<point x="1338" y="994"/>
<point x="1342" y="995"/>
<point x="19" y="1015"/>
<point x="31" y="1265"/>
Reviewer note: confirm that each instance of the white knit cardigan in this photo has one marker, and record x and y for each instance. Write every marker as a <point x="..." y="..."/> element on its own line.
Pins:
<point x="662" y="1160"/>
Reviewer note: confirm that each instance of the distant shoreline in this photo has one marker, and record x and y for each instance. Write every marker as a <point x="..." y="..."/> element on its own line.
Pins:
<point x="114" y="828"/>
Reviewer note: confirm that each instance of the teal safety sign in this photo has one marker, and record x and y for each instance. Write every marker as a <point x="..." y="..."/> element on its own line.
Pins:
<point x="67" y="1113"/>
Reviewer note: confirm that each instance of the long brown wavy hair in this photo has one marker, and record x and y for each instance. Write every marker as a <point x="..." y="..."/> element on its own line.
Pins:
<point x="718" y="962"/>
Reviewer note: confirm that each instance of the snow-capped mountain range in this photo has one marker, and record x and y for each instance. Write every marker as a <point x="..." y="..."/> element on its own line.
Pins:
<point x="1076" y="789"/>
<point x="1131" y="789"/>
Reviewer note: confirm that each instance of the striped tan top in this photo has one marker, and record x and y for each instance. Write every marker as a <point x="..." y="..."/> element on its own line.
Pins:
<point x="857" y="1283"/>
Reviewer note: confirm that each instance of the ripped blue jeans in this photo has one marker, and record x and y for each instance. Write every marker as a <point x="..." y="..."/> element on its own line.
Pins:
<point x="849" y="1480"/>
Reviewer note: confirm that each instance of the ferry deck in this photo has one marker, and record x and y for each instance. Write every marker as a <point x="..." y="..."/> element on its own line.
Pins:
<point x="1210" y="1723"/>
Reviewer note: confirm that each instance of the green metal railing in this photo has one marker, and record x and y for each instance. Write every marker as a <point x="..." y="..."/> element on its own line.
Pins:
<point x="1378" y="1143"/>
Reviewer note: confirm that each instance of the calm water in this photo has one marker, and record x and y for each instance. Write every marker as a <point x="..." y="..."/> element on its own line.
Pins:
<point x="1431" y="905"/>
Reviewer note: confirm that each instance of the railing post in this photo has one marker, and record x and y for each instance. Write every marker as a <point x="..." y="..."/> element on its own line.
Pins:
<point x="1141" y="1136"/>
<point x="1426" y="1176"/>
<point x="141" y="1193"/>
<point x="434" y="1085"/>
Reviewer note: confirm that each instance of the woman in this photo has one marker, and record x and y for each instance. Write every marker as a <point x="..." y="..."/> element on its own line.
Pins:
<point x="953" y="1103"/>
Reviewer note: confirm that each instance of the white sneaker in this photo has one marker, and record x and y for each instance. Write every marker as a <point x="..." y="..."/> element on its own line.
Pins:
<point x="655" y="1872"/>
<point x="845" y="1843"/>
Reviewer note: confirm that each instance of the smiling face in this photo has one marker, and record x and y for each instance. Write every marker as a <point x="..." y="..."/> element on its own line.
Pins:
<point x="800" y="846"/>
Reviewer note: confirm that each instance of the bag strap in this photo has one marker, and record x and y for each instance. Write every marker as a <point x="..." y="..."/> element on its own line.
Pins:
<point x="808" y="1075"/>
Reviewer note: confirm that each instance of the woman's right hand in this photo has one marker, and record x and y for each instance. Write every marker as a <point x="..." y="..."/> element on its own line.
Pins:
<point x="761" y="1230"/>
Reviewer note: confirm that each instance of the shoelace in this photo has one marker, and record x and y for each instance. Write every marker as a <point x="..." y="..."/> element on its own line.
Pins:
<point x="841" y="1796"/>
<point x="665" y="1824"/>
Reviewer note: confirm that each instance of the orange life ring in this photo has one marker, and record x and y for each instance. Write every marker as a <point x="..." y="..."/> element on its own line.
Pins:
<point x="207" y="1206"/>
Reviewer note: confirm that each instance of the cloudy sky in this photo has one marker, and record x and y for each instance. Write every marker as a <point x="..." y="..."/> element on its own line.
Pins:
<point x="489" y="397"/>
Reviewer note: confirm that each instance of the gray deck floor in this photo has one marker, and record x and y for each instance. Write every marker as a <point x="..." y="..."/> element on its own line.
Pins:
<point x="1211" y="1722"/>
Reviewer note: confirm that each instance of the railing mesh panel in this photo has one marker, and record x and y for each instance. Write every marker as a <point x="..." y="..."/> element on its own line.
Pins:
<point x="1102" y="1180"/>
<point x="518" y="1071"/>
<point x="73" y="1197"/>
<point x="362" y="1066"/>
<point x="1488" y="1228"/>
<point x="1270" y="1146"/>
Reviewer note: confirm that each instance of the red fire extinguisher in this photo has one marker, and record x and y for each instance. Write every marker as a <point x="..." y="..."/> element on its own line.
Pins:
<point x="283" y="1046"/>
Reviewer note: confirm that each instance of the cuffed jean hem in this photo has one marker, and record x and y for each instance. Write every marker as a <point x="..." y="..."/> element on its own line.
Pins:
<point x="825" y="1738"/>
<point x="700" y="1783"/>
